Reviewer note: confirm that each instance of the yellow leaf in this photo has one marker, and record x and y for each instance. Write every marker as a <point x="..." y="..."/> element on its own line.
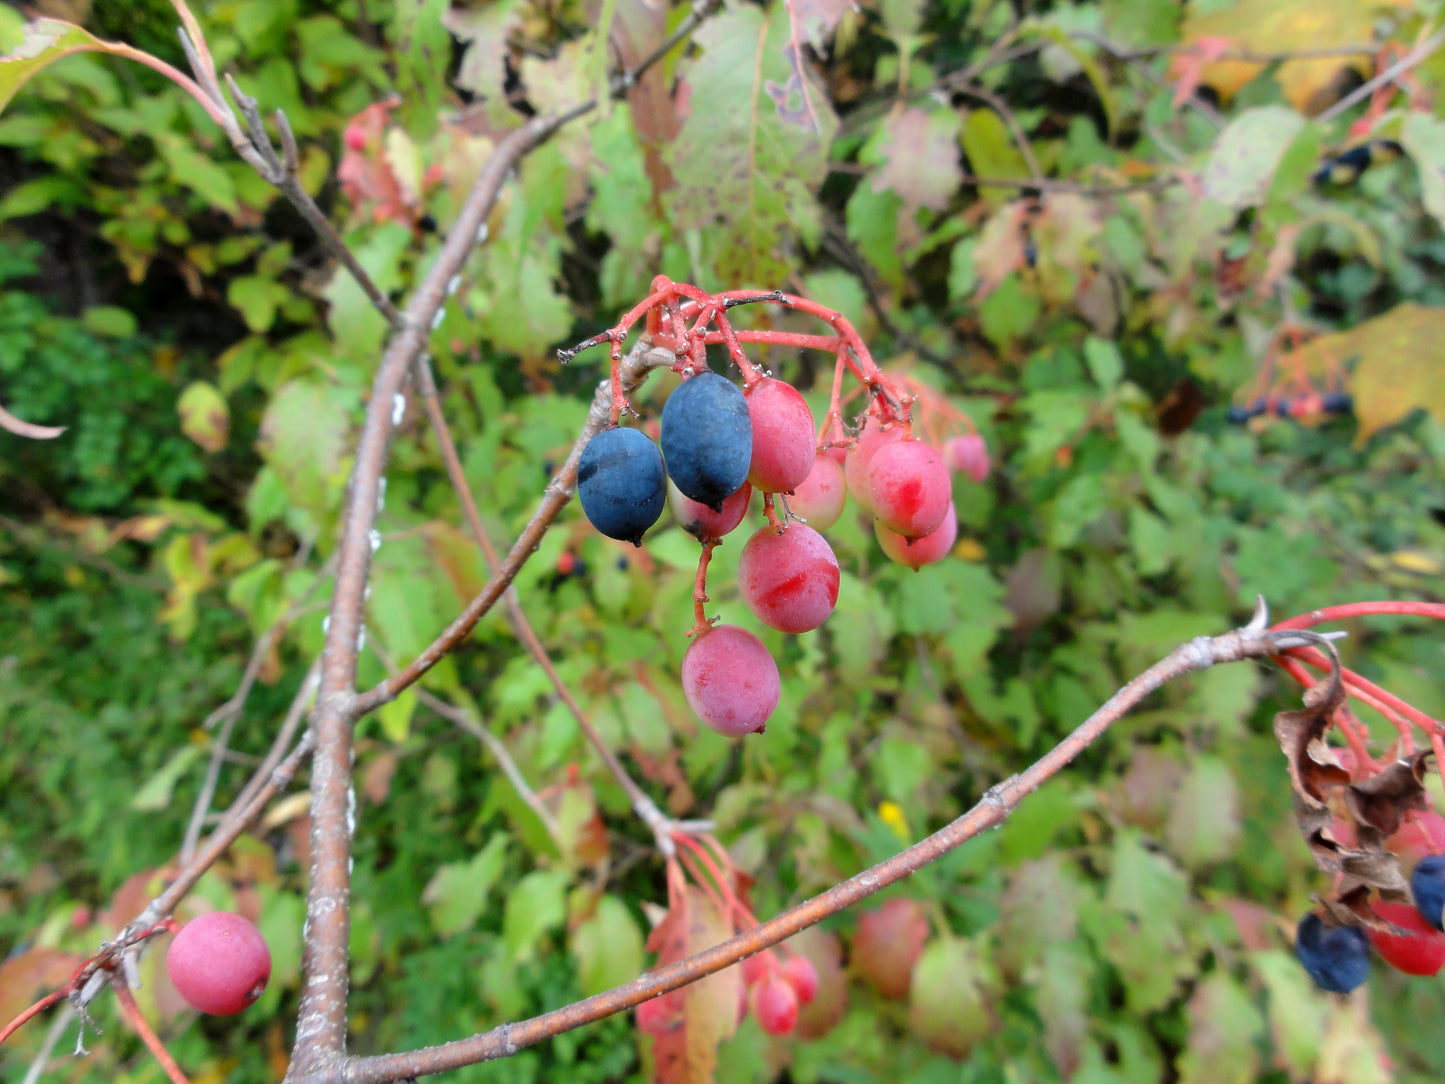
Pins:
<point x="1278" y="26"/>
<point x="1397" y="368"/>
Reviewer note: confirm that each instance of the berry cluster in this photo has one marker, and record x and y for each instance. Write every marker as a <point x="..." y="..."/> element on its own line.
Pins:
<point x="720" y="443"/>
<point x="1309" y="405"/>
<point x="1409" y="938"/>
<point x="773" y="991"/>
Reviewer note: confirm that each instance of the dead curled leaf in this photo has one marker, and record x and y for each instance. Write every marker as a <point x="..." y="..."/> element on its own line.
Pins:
<point x="1322" y="791"/>
<point x="1313" y="769"/>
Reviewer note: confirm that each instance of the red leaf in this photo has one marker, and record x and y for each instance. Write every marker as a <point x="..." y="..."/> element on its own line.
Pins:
<point x="705" y="1013"/>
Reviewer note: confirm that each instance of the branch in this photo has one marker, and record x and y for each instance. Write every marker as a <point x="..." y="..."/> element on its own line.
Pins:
<point x="1250" y="642"/>
<point x="660" y="824"/>
<point x="1389" y="75"/>
<point x="321" y="1030"/>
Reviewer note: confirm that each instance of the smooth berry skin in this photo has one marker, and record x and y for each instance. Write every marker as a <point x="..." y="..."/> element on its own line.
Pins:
<point x="775" y="1004"/>
<point x="707" y="438"/>
<point x="860" y="457"/>
<point x="730" y="680"/>
<point x="818" y="501"/>
<point x="789" y="579"/>
<point x="968" y="455"/>
<point x="702" y="522"/>
<point x="1338" y="960"/>
<point x="802" y="976"/>
<point x="622" y="484"/>
<point x="1419" y="951"/>
<point x="909" y="488"/>
<point x="219" y="963"/>
<point x="783" y="440"/>
<point x="917" y="552"/>
<point x="1427" y="886"/>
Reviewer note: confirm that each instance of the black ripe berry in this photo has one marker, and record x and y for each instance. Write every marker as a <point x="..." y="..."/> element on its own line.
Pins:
<point x="1427" y="885"/>
<point x="1338" y="960"/>
<point x="622" y="484"/>
<point x="707" y="438"/>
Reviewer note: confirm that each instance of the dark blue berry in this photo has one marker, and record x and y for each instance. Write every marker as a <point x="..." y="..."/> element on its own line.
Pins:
<point x="1338" y="402"/>
<point x="622" y="484"/>
<point x="707" y="438"/>
<point x="1258" y="407"/>
<point x="1281" y="408"/>
<point x="1237" y="415"/>
<point x="1427" y="885"/>
<point x="1338" y="960"/>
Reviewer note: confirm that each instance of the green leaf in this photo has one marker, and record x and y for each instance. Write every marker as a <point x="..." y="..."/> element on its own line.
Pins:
<point x="205" y="417"/>
<point x="608" y="947"/>
<point x="745" y="171"/>
<point x="1423" y="138"/>
<point x="43" y="42"/>
<point x="1224" y="1028"/>
<point x="991" y="150"/>
<point x="456" y="895"/>
<point x="111" y="321"/>
<point x="535" y="904"/>
<point x="1246" y="153"/>
<point x="1105" y="364"/>
<point x="209" y="179"/>
<point x="950" y="996"/>
<point x="155" y="793"/>
<point x="396" y="716"/>
<point x="256" y="298"/>
<point x="1203" y="825"/>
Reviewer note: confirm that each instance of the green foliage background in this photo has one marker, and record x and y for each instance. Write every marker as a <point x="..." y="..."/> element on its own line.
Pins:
<point x="1130" y="923"/>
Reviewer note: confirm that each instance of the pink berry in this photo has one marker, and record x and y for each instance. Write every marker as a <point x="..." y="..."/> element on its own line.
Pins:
<point x="698" y="519"/>
<point x="819" y="499"/>
<point x="730" y="680"/>
<point x="909" y="487"/>
<point x="968" y="455"/>
<point x="917" y="552"/>
<point x="860" y="458"/>
<point x="1419" y="951"/>
<point x="756" y="968"/>
<point x="789" y="578"/>
<point x="219" y="963"/>
<point x="802" y="976"/>
<point x="775" y="1004"/>
<point x="782" y="436"/>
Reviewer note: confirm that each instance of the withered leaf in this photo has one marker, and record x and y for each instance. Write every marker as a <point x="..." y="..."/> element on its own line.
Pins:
<point x="1382" y="801"/>
<point x="1301" y="734"/>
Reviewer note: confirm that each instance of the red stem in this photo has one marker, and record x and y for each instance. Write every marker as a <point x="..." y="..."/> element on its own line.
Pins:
<point x="133" y="1016"/>
<point x="34" y="1010"/>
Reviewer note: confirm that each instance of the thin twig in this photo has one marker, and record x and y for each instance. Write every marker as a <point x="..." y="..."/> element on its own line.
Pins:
<point x="1389" y="75"/>
<point x="58" y="1023"/>
<point x="1005" y="114"/>
<point x="229" y="713"/>
<point x="636" y="365"/>
<point x="464" y="719"/>
<point x="659" y="823"/>
<point x="1251" y="642"/>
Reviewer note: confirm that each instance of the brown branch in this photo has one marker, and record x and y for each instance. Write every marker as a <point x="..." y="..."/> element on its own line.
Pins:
<point x="660" y="824"/>
<point x="636" y="366"/>
<point x="229" y="713"/>
<point x="1250" y="642"/>
<point x="321" y="1029"/>
<point x="237" y="820"/>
